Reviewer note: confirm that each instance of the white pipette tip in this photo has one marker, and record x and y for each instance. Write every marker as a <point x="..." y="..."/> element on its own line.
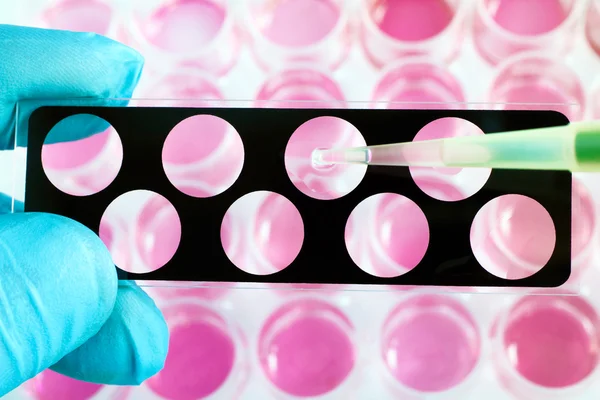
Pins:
<point x="325" y="157"/>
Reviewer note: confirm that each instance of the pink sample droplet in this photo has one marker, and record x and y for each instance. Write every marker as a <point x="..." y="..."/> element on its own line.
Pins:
<point x="513" y="236"/>
<point x="466" y="181"/>
<point x="430" y="343"/>
<point x="279" y="230"/>
<point x="184" y="25"/>
<point x="50" y="385"/>
<point x="79" y="15"/>
<point x="158" y="232"/>
<point x="515" y="15"/>
<point x="387" y="235"/>
<point x="305" y="349"/>
<point x="412" y="20"/>
<point x="201" y="354"/>
<point x="551" y="341"/>
<point x="330" y="182"/>
<point x="203" y="156"/>
<point x="286" y="22"/>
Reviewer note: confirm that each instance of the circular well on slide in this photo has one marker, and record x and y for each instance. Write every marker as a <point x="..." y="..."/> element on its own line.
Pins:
<point x="449" y="184"/>
<point x="387" y="235"/>
<point x="513" y="236"/>
<point x="142" y="231"/>
<point x="203" y="156"/>
<point x="262" y="233"/>
<point x="328" y="182"/>
<point x="82" y="155"/>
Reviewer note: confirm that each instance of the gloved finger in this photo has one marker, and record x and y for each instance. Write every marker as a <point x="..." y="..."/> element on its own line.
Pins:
<point x="58" y="286"/>
<point x="42" y="65"/>
<point x="129" y="348"/>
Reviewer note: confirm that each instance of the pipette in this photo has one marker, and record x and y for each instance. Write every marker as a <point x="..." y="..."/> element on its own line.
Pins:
<point x="574" y="147"/>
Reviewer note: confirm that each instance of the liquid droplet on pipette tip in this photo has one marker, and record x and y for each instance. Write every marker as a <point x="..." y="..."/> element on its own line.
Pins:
<point x="327" y="157"/>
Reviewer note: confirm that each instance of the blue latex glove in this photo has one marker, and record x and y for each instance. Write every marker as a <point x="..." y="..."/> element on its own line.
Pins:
<point x="60" y="302"/>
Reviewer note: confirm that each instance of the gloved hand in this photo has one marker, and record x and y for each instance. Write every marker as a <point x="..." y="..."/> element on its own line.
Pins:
<point x="60" y="302"/>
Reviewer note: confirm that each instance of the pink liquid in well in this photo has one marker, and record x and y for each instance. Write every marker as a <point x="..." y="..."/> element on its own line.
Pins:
<point x="297" y="23"/>
<point x="412" y="20"/>
<point x="142" y="231"/>
<point x="188" y="85"/>
<point x="537" y="83"/>
<point x="86" y="166"/>
<point x="513" y="236"/>
<point x="316" y="182"/>
<point x="50" y="385"/>
<point x="79" y="15"/>
<point x="184" y="25"/>
<point x="201" y="355"/>
<point x="262" y="233"/>
<point x="300" y="88"/>
<point x="203" y="156"/>
<point x="466" y="181"/>
<point x="551" y="341"/>
<point x="592" y="27"/>
<point x="430" y="343"/>
<point x="305" y="350"/>
<point x="416" y="83"/>
<point x="387" y="235"/>
<point x="516" y="15"/>
<point x="583" y="224"/>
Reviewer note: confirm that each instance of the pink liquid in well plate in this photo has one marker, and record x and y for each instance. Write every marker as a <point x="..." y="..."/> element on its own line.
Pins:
<point x="305" y="349"/>
<point x="583" y="226"/>
<point x="551" y="341"/>
<point x="387" y="235"/>
<point x="50" y="385"/>
<point x="189" y="85"/>
<point x="203" y="156"/>
<point x="539" y="83"/>
<point x="516" y="15"/>
<point x="412" y="20"/>
<point x="593" y="26"/>
<point x="79" y="15"/>
<point x="184" y="25"/>
<point x="201" y="355"/>
<point x="262" y="233"/>
<point x="297" y="23"/>
<point x="466" y="182"/>
<point x="417" y="83"/>
<point x="323" y="183"/>
<point x="300" y="88"/>
<point x="430" y="343"/>
<point x="513" y="236"/>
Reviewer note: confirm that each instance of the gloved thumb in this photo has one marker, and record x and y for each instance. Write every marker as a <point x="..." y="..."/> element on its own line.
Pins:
<point x="58" y="286"/>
